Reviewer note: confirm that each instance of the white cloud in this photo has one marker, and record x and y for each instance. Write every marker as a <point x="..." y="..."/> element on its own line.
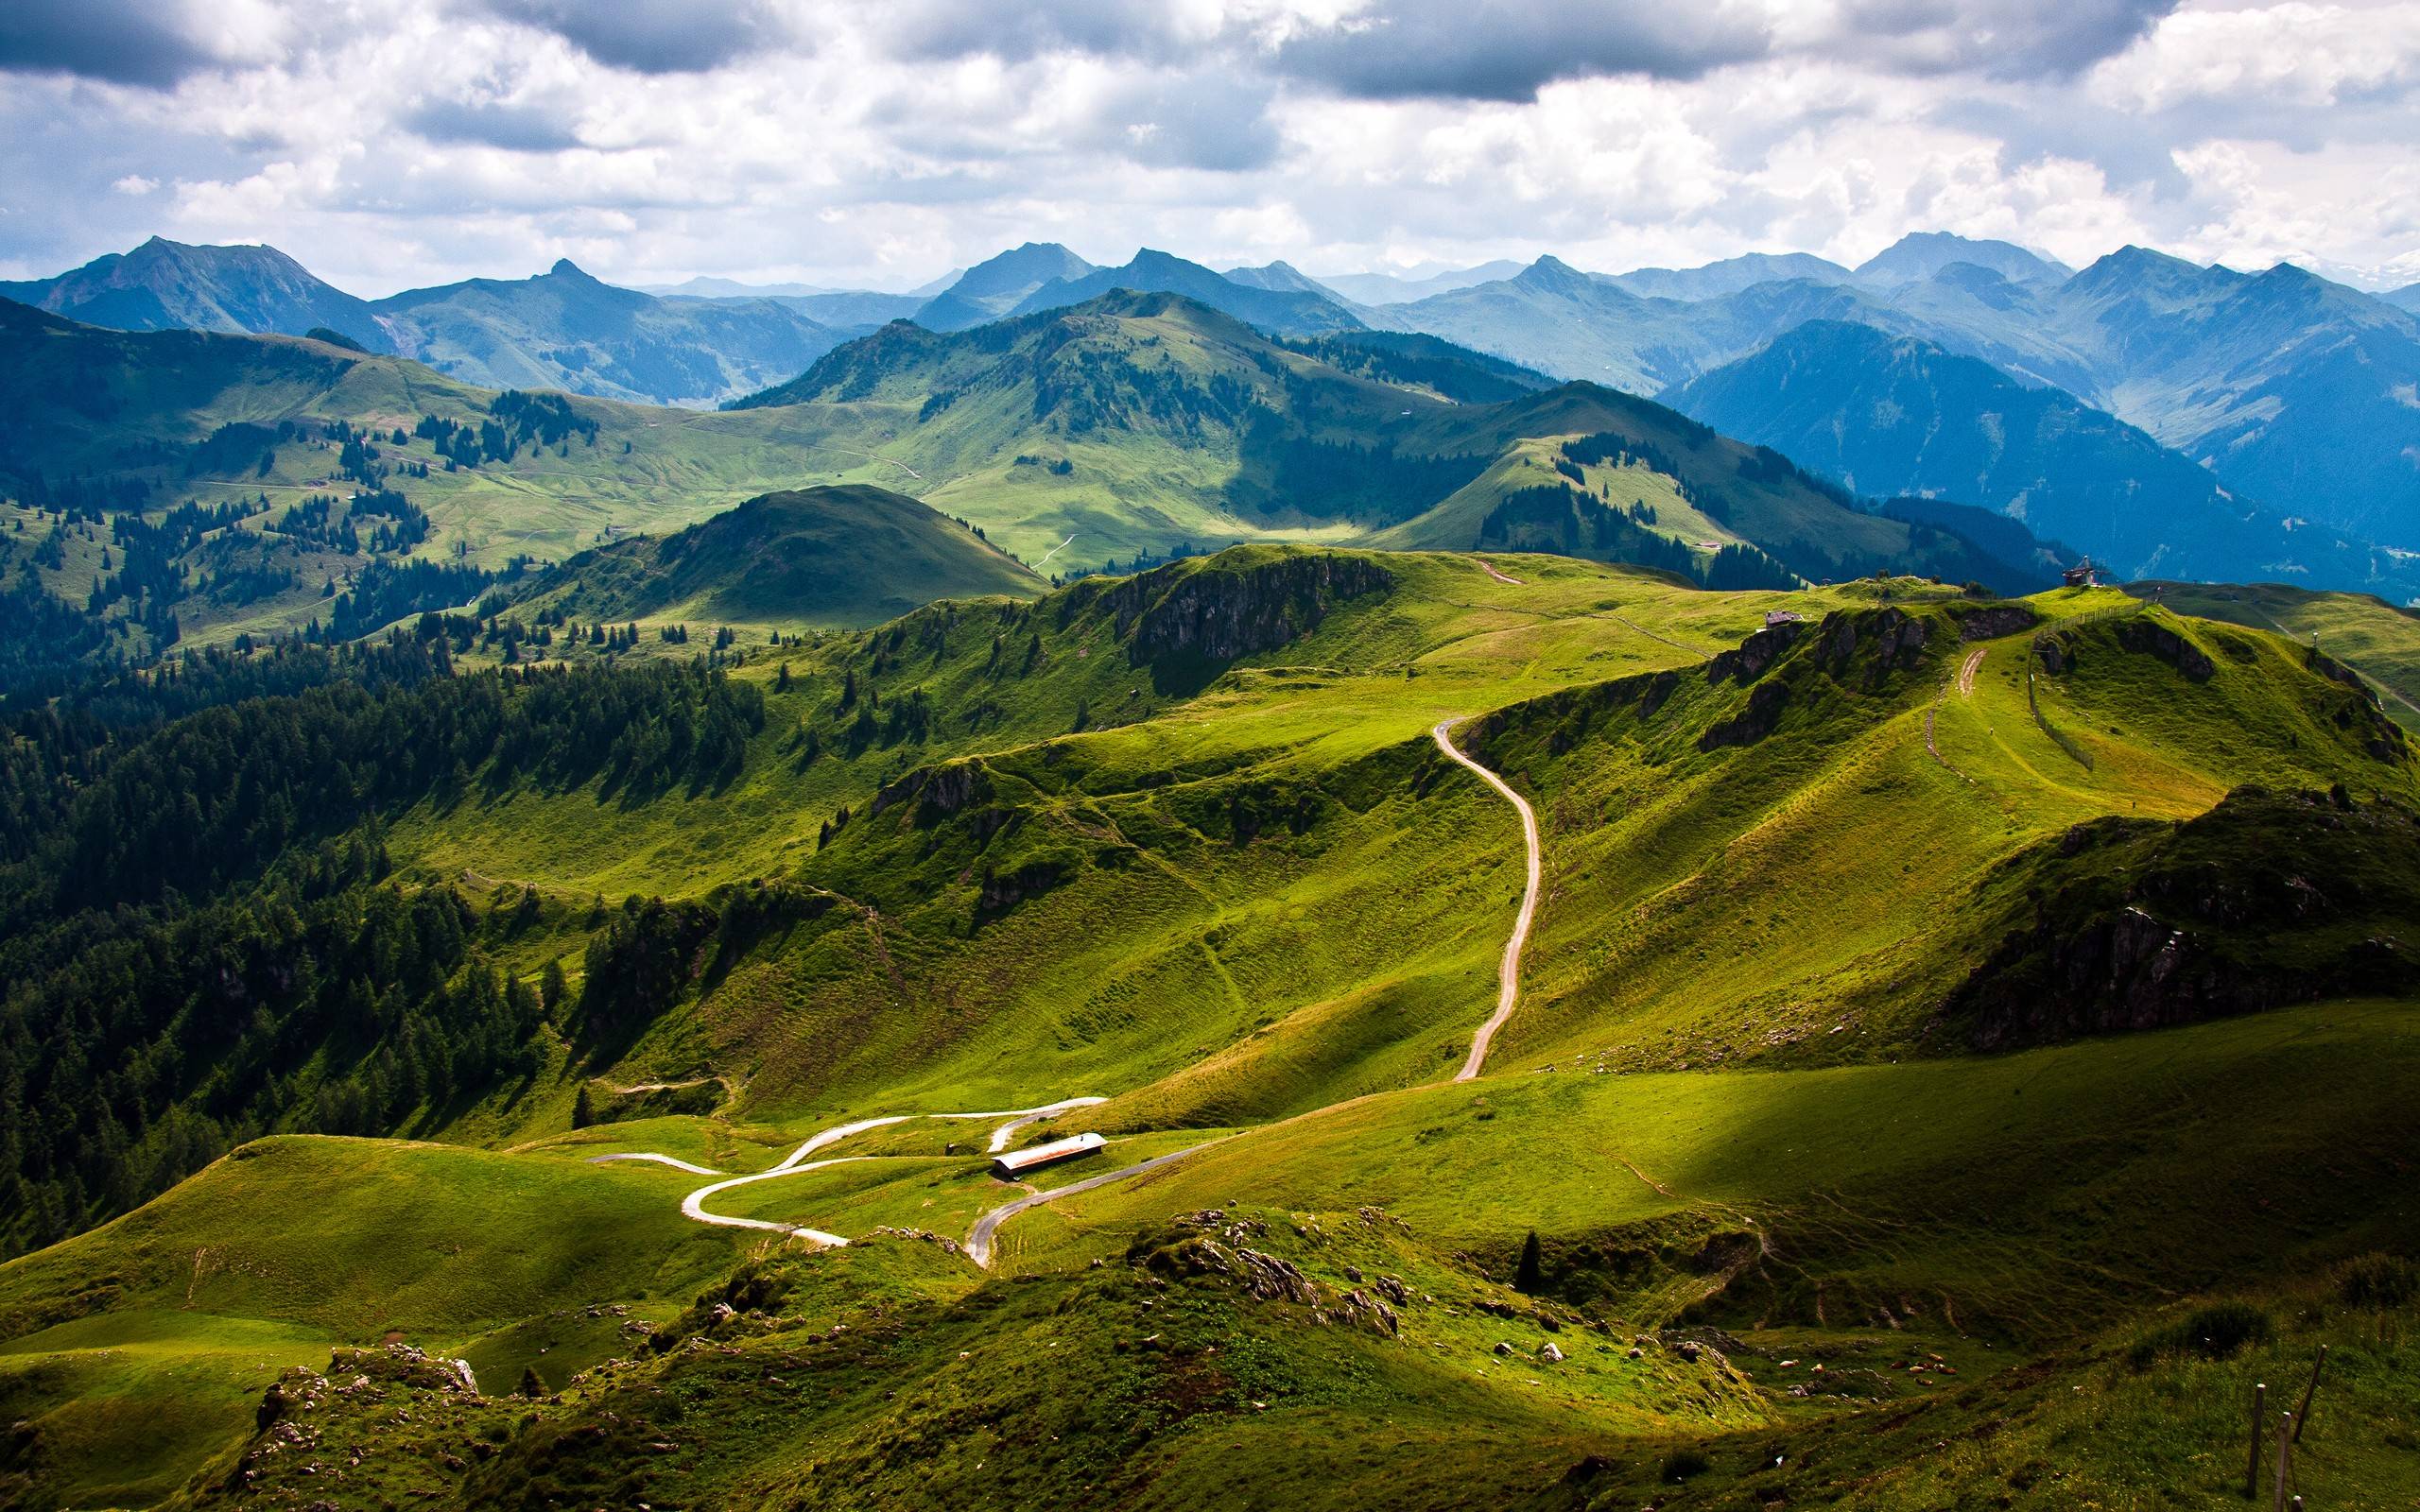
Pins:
<point x="395" y="142"/>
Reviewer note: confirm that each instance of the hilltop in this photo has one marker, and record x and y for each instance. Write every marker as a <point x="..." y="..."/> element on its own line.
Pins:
<point x="327" y="485"/>
<point x="1136" y="422"/>
<point x="164" y="286"/>
<point x="848" y="556"/>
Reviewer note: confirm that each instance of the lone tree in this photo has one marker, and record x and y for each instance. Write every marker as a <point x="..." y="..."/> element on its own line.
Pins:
<point x="1526" y="1277"/>
<point x="530" y="1384"/>
<point x="584" y="1112"/>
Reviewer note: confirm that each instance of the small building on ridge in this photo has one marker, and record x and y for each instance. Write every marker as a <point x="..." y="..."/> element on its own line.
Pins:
<point x="1009" y="1164"/>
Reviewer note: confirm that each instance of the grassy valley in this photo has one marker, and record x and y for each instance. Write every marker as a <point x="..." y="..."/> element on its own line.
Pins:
<point x="1776" y="1093"/>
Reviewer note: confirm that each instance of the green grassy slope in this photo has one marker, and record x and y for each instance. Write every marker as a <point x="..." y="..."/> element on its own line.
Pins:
<point x="1137" y="421"/>
<point x="2373" y="638"/>
<point x="138" y="405"/>
<point x="1181" y="840"/>
<point x="135" y="1350"/>
<point x="846" y="556"/>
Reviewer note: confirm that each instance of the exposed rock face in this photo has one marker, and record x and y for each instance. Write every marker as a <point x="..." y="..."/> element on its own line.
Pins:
<point x="2268" y="900"/>
<point x="937" y="790"/>
<point x="1989" y="622"/>
<point x="1752" y="658"/>
<point x="1216" y="614"/>
<point x="1751" y="724"/>
<point x="1004" y="890"/>
<point x="2150" y="637"/>
<point x="1893" y="638"/>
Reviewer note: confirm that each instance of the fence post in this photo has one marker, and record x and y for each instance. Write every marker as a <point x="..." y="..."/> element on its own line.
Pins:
<point x="2302" y="1414"/>
<point x="2285" y="1458"/>
<point x="2260" y="1420"/>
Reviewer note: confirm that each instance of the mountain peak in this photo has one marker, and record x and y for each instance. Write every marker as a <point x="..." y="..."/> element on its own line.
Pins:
<point x="565" y="267"/>
<point x="1920" y="254"/>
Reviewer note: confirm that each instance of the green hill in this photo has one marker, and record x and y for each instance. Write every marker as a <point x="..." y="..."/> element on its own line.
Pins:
<point x="2373" y="637"/>
<point x="1136" y="423"/>
<point x="851" y="555"/>
<point x="1182" y="840"/>
<point x="107" y="434"/>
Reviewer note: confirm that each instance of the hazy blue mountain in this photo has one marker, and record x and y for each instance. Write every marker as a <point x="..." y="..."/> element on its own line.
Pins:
<point x="992" y="288"/>
<point x="1574" y="325"/>
<point x="566" y="330"/>
<point x="1288" y="310"/>
<point x="1922" y="254"/>
<point x="1893" y="415"/>
<point x="2288" y="386"/>
<point x="853" y="309"/>
<point x="1278" y="277"/>
<point x="1386" y="289"/>
<point x="728" y="288"/>
<point x="2407" y="298"/>
<point x="1729" y="276"/>
<point x="163" y="285"/>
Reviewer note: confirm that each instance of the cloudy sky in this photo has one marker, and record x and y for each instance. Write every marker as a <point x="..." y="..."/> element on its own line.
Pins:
<point x="391" y="143"/>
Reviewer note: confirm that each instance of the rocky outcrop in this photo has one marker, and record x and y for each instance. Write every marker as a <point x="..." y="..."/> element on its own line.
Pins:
<point x="1753" y="657"/>
<point x="1989" y="622"/>
<point x="1760" y="718"/>
<point x="1214" y="611"/>
<point x="1883" y="640"/>
<point x="2269" y="899"/>
<point x="2146" y="636"/>
<point x="937" y="792"/>
<point x="1214" y="1246"/>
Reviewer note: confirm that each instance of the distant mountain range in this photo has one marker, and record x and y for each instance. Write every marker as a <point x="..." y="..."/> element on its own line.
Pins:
<point x="1386" y="289"/>
<point x="2288" y="387"/>
<point x="164" y="286"/>
<point x="1896" y="415"/>
<point x="560" y="330"/>
<point x="1135" y="419"/>
<point x="2293" y="394"/>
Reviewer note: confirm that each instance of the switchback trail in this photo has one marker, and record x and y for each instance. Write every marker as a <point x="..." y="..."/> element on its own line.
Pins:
<point x="979" y="1240"/>
<point x="1507" y="974"/>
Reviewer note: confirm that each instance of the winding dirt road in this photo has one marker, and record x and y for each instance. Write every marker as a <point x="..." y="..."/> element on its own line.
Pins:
<point x="1507" y="974"/>
<point x="979" y="1240"/>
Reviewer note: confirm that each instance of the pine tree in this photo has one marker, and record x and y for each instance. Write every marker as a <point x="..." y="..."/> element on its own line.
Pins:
<point x="1526" y="1277"/>
<point x="530" y="1384"/>
<point x="584" y="1112"/>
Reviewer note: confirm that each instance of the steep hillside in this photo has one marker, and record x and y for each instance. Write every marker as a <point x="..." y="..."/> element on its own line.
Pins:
<point x="163" y="285"/>
<point x="566" y="330"/>
<point x="1141" y="422"/>
<point x="992" y="288"/>
<point x="2373" y="638"/>
<point x="175" y="486"/>
<point x="850" y="555"/>
<point x="1900" y="415"/>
